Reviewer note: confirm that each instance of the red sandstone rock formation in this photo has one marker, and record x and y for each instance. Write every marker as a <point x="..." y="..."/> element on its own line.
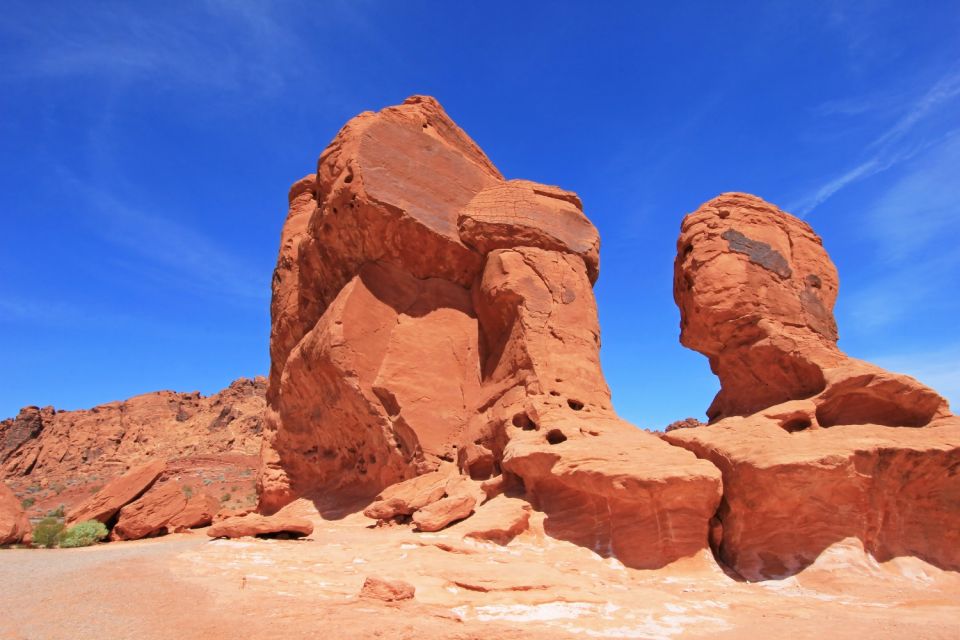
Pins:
<point x="46" y="443"/>
<point x="253" y="524"/>
<point x="165" y="508"/>
<point x="106" y="503"/>
<point x="499" y="520"/>
<point x="14" y="524"/>
<point x="139" y="505"/>
<point x="756" y="292"/>
<point x="59" y="457"/>
<point x="426" y="310"/>
<point x="814" y="446"/>
<point x="407" y="497"/>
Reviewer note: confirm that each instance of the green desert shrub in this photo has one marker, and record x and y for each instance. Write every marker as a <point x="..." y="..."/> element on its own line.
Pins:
<point x="47" y="532"/>
<point x="58" y="512"/>
<point x="84" y="534"/>
<point x="26" y="503"/>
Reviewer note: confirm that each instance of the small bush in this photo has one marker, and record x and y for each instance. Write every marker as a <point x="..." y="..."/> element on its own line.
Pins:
<point x="225" y="497"/>
<point x="84" y="534"/>
<point x="57" y="513"/>
<point x="187" y="491"/>
<point x="26" y="503"/>
<point x="48" y="532"/>
<point x="96" y="488"/>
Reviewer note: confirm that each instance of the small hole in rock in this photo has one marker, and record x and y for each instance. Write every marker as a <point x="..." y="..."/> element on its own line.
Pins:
<point x="554" y="393"/>
<point x="576" y="405"/>
<point x="555" y="436"/>
<point x="687" y="249"/>
<point x="796" y="424"/>
<point x="723" y="213"/>
<point x="523" y="421"/>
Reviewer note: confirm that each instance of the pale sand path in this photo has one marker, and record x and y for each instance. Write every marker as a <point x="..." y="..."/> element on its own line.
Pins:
<point x="186" y="586"/>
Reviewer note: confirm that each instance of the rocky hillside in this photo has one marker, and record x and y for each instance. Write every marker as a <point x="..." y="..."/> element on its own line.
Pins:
<point x="50" y="457"/>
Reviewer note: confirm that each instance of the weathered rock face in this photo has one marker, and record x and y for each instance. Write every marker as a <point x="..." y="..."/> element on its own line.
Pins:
<point x="50" y="444"/>
<point x="13" y="521"/>
<point x="61" y="457"/>
<point x="756" y="292"/>
<point x="806" y="437"/>
<point x="425" y="311"/>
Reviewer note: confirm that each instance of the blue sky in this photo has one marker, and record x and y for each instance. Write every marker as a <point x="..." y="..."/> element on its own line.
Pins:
<point x="147" y="151"/>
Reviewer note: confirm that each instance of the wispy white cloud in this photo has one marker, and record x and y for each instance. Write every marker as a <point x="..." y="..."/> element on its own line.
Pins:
<point x="237" y="45"/>
<point x="890" y="147"/>
<point x="172" y="253"/>
<point x="912" y="226"/>
<point x="55" y="313"/>
<point x="942" y="93"/>
<point x="920" y="208"/>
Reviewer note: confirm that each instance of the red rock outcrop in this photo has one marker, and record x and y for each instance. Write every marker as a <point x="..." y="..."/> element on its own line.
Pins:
<point x="253" y="524"/>
<point x="407" y="497"/>
<point x="426" y="310"/>
<point x="106" y="503"/>
<point x="14" y="524"/>
<point x="165" y="508"/>
<point x="439" y="514"/>
<point x="814" y="446"/>
<point x="59" y="457"/>
<point x="499" y="520"/>
<point x="756" y="291"/>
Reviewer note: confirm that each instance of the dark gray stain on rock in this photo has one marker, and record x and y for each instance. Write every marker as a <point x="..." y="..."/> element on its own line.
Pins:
<point x="759" y="252"/>
<point x="817" y="316"/>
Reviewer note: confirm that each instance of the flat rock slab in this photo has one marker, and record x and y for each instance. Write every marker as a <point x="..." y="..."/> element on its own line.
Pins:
<point x="256" y="525"/>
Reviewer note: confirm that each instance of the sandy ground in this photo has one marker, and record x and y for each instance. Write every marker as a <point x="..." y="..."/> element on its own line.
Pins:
<point x="187" y="586"/>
